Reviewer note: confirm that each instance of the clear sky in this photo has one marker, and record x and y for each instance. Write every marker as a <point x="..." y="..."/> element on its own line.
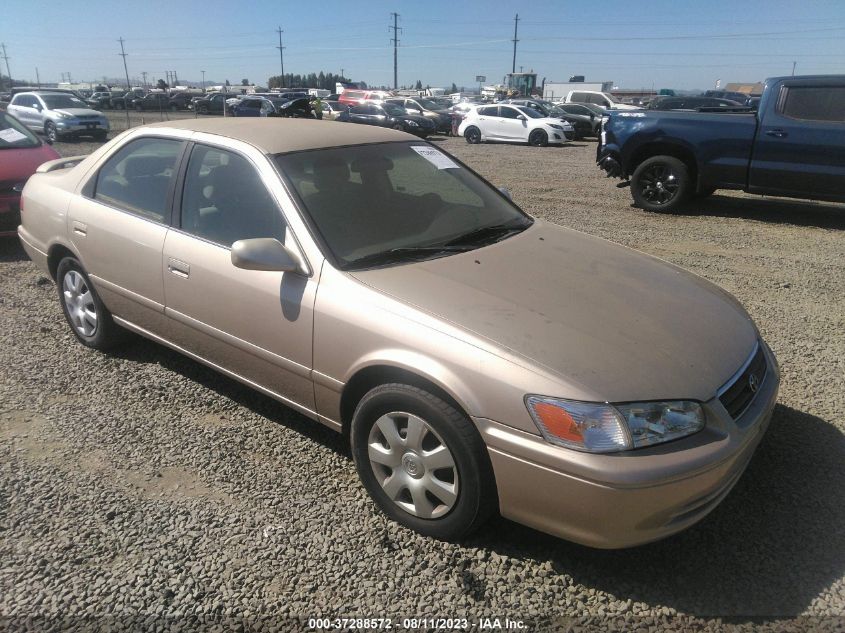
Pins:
<point x="634" y="43"/>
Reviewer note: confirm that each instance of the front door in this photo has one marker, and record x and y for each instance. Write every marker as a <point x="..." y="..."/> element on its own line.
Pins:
<point x="256" y="324"/>
<point x="119" y="224"/>
<point x="510" y="126"/>
<point x="798" y="149"/>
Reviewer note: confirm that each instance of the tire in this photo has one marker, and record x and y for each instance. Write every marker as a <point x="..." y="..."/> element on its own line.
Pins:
<point x="660" y="183"/>
<point x="173" y="107"/>
<point x="138" y="107"/>
<point x="202" y="110"/>
<point x="472" y="135"/>
<point x="100" y="136"/>
<point x="89" y="320"/>
<point x="538" y="138"/>
<point x="51" y="132"/>
<point x="402" y="480"/>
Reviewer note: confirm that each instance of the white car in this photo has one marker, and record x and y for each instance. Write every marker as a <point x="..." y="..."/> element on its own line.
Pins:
<point x="603" y="99"/>
<point x="513" y="124"/>
<point x="58" y="115"/>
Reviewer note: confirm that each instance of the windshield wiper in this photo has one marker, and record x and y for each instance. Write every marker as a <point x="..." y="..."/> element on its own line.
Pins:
<point x="487" y="234"/>
<point x="403" y="253"/>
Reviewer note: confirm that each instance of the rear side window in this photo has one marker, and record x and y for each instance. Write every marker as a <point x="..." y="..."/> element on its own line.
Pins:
<point x="811" y="103"/>
<point x="489" y="111"/>
<point x="138" y="177"/>
<point x="579" y="97"/>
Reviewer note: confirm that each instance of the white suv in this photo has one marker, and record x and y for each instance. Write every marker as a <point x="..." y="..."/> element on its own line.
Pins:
<point x="514" y="124"/>
<point x="602" y="99"/>
<point x="58" y="114"/>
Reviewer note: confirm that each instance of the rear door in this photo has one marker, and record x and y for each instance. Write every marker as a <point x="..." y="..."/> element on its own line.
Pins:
<point x="119" y="223"/>
<point x="799" y="146"/>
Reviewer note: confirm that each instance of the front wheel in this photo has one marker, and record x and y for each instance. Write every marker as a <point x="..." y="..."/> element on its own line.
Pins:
<point x="472" y="135"/>
<point x="660" y="183"/>
<point x="89" y="320"/>
<point x="538" y="138"/>
<point x="51" y="132"/>
<point x="203" y="110"/>
<point x="422" y="461"/>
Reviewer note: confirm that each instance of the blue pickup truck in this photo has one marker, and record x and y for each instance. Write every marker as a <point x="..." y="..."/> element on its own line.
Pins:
<point x="793" y="146"/>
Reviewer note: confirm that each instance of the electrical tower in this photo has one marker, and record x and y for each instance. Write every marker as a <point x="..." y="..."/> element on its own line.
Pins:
<point x="123" y="54"/>
<point x="281" y="55"/>
<point x="395" y="41"/>
<point x="515" y="25"/>
<point x="6" y="59"/>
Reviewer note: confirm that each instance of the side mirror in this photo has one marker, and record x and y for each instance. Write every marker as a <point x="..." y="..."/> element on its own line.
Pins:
<point x="592" y="116"/>
<point x="37" y="106"/>
<point x="521" y="117"/>
<point x="505" y="192"/>
<point x="265" y="253"/>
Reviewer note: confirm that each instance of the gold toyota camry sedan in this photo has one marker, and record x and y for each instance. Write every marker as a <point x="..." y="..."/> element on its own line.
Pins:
<point x="479" y="360"/>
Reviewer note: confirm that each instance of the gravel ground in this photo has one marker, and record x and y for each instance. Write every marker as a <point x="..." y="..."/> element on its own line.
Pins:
<point x="140" y="490"/>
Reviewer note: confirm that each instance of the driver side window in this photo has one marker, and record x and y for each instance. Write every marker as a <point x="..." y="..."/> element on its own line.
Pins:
<point x="224" y="199"/>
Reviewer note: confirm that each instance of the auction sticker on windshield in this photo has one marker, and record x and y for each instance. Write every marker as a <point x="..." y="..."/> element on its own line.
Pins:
<point x="11" y="135"/>
<point x="435" y="157"/>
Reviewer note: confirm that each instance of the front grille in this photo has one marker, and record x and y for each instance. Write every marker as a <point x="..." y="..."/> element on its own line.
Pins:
<point x="89" y="117"/>
<point x="738" y="395"/>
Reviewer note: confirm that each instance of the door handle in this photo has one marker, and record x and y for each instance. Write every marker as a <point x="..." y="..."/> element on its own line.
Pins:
<point x="776" y="133"/>
<point x="178" y="268"/>
<point x="80" y="228"/>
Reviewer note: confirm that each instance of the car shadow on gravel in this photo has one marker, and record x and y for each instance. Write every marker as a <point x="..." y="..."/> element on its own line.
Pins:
<point x="774" y="211"/>
<point x="11" y="250"/>
<point x="773" y="545"/>
<point x="144" y="351"/>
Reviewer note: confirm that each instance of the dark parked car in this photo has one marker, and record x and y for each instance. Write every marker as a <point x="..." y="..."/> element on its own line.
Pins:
<point x="294" y="109"/>
<point x="791" y="147"/>
<point x="153" y="101"/>
<point x="739" y="97"/>
<point x="702" y="104"/>
<point x="389" y="115"/>
<point x="583" y="125"/>
<point x="126" y="100"/>
<point x="211" y="103"/>
<point x="441" y="117"/>
<point x="100" y="100"/>
<point x="181" y="100"/>
<point x="257" y="106"/>
<point x="585" y="112"/>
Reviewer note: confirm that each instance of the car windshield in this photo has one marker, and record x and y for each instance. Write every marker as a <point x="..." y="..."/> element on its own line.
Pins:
<point x="394" y="110"/>
<point x="392" y="202"/>
<point x="428" y="104"/>
<point x="56" y="102"/>
<point x="14" y="134"/>
<point x="531" y="112"/>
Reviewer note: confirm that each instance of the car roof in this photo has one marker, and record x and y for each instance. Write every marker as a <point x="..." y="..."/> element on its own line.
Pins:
<point x="275" y="136"/>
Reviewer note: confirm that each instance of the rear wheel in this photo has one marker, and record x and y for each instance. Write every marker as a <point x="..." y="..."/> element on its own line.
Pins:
<point x="538" y="138"/>
<point x="472" y="135"/>
<point x="660" y="183"/>
<point x="422" y="461"/>
<point x="89" y="320"/>
<point x="203" y="109"/>
<point x="173" y="107"/>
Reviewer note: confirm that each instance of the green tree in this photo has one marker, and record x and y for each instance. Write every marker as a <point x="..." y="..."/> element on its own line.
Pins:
<point x="418" y="85"/>
<point x="244" y="82"/>
<point x="161" y="84"/>
<point x="454" y="87"/>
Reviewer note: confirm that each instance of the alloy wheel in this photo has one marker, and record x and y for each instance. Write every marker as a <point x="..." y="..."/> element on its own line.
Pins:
<point x="80" y="303"/>
<point x="413" y="465"/>
<point x="659" y="184"/>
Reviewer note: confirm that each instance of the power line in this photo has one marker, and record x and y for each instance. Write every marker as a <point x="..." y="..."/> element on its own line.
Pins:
<point x="8" y="72"/>
<point x="281" y="54"/>
<point x="515" y="25"/>
<point x="395" y="40"/>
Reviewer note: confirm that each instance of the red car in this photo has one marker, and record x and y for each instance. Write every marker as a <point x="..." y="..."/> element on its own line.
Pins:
<point x="21" y="152"/>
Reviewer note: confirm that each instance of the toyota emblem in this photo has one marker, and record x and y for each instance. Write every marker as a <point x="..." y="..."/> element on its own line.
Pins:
<point x="753" y="383"/>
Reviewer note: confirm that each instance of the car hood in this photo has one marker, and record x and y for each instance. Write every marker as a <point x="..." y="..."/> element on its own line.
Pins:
<point x="78" y="111"/>
<point x="423" y="121"/>
<point x="613" y="323"/>
<point x="19" y="163"/>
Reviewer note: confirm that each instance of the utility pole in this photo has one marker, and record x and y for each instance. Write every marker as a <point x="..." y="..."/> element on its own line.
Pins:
<point x="8" y="72"/>
<point x="175" y="80"/>
<point x="341" y="73"/>
<point x="281" y="55"/>
<point x="123" y="54"/>
<point x="203" y="80"/>
<point x="395" y="40"/>
<point x="515" y="25"/>
<point x="144" y="75"/>
<point x="37" y="77"/>
<point x="793" y="68"/>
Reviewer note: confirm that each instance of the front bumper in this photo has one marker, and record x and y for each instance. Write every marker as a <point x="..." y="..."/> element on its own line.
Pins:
<point x="10" y="212"/>
<point x="81" y="127"/>
<point x="626" y="499"/>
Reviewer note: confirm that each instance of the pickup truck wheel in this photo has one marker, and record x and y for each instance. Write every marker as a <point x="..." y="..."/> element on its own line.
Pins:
<point x="660" y="183"/>
<point x="51" y="132"/>
<point x="89" y="320"/>
<point x="422" y="461"/>
<point x="472" y="135"/>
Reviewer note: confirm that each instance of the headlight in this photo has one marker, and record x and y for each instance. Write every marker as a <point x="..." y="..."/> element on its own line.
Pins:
<point x="412" y="123"/>
<point x="555" y="126"/>
<point x="64" y="115"/>
<point x="605" y="428"/>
